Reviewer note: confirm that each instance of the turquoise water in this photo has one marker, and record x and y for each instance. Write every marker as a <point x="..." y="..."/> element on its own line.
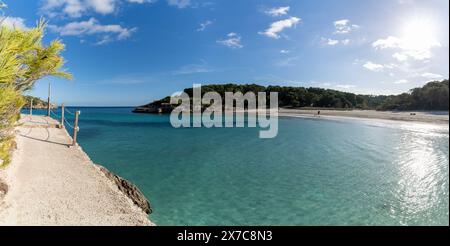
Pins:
<point x="315" y="172"/>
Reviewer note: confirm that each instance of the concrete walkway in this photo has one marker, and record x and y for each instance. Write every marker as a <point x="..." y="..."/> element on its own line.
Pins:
<point x="51" y="183"/>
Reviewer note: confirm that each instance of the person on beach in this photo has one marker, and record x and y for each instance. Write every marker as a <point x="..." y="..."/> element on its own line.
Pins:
<point x="318" y="113"/>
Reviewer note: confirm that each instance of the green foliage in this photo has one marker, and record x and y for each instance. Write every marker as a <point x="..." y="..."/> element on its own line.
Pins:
<point x="10" y="103"/>
<point x="297" y="96"/>
<point x="316" y="97"/>
<point x="432" y="96"/>
<point x="23" y="61"/>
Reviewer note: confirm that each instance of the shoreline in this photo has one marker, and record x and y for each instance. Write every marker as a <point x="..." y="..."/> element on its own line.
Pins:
<point x="428" y="117"/>
<point x="50" y="183"/>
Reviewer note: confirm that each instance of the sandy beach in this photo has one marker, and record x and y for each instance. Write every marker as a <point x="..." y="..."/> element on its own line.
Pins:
<point x="434" y="117"/>
<point x="50" y="183"/>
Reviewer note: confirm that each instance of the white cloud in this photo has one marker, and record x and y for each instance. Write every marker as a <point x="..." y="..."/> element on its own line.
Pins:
<point x="400" y="56"/>
<point x="345" y="86"/>
<point x="233" y="40"/>
<point x="179" y="3"/>
<point x="329" y="41"/>
<point x="432" y="76"/>
<point x="344" y="26"/>
<point x="285" y="51"/>
<point x="13" y="22"/>
<point x="277" y="11"/>
<point x="278" y="26"/>
<point x="103" y="6"/>
<point x="108" y="33"/>
<point x="77" y="8"/>
<point x="193" y="68"/>
<point x="405" y="1"/>
<point x="345" y="41"/>
<point x="407" y="48"/>
<point x="204" y="25"/>
<point x="373" y="66"/>
<point x="402" y="81"/>
<point x="105" y="39"/>
<point x="333" y="42"/>
<point x="334" y="85"/>
<point x="141" y="1"/>
<point x="389" y="42"/>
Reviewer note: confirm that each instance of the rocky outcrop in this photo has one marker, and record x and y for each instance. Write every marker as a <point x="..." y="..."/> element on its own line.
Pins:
<point x="40" y="106"/>
<point x="129" y="189"/>
<point x="37" y="103"/>
<point x="164" y="108"/>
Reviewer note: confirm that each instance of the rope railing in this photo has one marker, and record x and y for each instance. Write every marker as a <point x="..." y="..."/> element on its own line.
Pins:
<point x="62" y="120"/>
<point x="67" y="122"/>
<point x="68" y="111"/>
<point x="75" y="127"/>
<point x="56" y="115"/>
<point x="69" y="125"/>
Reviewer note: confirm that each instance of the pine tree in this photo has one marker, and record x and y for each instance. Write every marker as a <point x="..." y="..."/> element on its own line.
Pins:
<point x="24" y="59"/>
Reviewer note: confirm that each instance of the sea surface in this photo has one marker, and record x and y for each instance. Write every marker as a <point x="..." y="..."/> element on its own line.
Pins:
<point x="315" y="172"/>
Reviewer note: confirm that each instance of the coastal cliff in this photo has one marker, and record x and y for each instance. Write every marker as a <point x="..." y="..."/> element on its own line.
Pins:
<point x="37" y="103"/>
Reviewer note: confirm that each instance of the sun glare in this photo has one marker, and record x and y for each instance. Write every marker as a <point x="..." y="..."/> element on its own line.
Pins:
<point x="419" y="34"/>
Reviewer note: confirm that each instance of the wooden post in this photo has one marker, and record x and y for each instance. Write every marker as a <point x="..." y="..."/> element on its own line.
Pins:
<point x="75" y="129"/>
<point x="31" y="107"/>
<point x="62" y="116"/>
<point x="48" y="99"/>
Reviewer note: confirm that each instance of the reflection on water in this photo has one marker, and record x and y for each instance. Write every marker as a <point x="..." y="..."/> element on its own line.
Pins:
<point x="423" y="177"/>
<point x="315" y="172"/>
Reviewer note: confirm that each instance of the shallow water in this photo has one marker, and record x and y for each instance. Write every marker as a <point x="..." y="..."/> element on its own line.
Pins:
<point x="315" y="172"/>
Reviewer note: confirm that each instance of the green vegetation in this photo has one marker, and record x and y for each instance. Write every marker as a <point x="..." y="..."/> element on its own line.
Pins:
<point x="432" y="96"/>
<point x="10" y="103"/>
<point x="37" y="103"/>
<point x="23" y="61"/>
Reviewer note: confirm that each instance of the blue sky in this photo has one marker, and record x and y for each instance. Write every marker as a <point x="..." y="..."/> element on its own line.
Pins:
<point x="129" y="52"/>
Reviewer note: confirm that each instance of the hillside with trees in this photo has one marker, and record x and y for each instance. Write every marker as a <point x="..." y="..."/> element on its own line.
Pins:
<point x="37" y="103"/>
<point x="432" y="96"/>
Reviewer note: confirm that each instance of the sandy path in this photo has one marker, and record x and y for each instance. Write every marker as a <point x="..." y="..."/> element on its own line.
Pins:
<point x="53" y="184"/>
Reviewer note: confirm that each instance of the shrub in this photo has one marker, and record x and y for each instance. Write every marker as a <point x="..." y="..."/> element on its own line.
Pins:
<point x="23" y="61"/>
